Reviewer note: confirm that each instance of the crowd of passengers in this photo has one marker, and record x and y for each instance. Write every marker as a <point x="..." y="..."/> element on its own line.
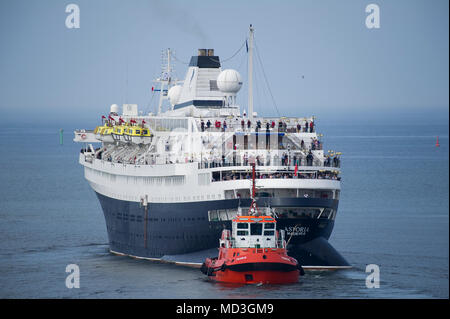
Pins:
<point x="247" y="125"/>
<point x="231" y="176"/>
<point x="284" y="160"/>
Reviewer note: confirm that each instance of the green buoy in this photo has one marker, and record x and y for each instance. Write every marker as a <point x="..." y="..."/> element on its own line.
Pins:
<point x="61" y="136"/>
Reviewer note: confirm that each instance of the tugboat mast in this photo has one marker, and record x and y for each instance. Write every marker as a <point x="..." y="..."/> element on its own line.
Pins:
<point x="250" y="73"/>
<point x="254" y="210"/>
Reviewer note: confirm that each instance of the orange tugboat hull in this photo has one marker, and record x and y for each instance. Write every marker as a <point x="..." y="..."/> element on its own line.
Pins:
<point x="252" y="266"/>
<point x="256" y="277"/>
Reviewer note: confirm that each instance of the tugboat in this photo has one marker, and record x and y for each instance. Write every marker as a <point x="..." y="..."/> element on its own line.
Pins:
<point x="254" y="252"/>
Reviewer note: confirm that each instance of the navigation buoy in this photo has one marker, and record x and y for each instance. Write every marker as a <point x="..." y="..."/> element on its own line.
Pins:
<point x="61" y="131"/>
<point x="437" y="141"/>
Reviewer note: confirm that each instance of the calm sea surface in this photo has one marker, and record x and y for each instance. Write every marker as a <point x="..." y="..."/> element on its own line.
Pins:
<point x="393" y="212"/>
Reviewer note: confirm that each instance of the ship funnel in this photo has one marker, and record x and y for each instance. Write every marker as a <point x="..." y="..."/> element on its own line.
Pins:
<point x="205" y="52"/>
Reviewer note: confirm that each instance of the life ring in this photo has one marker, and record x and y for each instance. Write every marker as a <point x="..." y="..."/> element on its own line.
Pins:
<point x="83" y="136"/>
<point x="217" y="124"/>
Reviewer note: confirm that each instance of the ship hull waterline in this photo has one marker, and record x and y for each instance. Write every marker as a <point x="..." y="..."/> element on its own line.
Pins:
<point x="181" y="233"/>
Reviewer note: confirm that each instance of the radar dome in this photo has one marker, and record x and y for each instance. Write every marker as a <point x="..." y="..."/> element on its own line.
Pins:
<point x="114" y="109"/>
<point x="174" y="94"/>
<point x="229" y="81"/>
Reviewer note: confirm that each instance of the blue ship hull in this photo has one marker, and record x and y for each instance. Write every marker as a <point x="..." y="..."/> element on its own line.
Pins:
<point x="162" y="229"/>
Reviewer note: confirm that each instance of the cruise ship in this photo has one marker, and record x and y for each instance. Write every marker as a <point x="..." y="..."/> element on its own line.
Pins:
<point x="170" y="182"/>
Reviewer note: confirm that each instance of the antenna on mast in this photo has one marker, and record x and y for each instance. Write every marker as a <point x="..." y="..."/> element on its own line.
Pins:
<point x="250" y="73"/>
<point x="253" y="210"/>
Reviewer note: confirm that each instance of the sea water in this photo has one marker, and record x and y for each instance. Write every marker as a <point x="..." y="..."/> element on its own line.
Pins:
<point x="393" y="212"/>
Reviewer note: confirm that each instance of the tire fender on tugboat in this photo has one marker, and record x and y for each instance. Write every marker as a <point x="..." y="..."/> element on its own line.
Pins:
<point x="301" y="270"/>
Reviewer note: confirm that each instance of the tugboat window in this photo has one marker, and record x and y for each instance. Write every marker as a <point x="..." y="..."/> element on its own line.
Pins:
<point x="268" y="233"/>
<point x="242" y="233"/>
<point x="242" y="225"/>
<point x="256" y="229"/>
<point x="269" y="226"/>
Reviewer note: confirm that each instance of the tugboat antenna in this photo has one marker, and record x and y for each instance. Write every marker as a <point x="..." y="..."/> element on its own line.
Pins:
<point x="253" y="210"/>
<point x="253" y="181"/>
<point x="250" y="73"/>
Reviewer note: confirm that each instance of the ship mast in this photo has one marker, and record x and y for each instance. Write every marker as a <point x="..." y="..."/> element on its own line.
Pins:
<point x="165" y="79"/>
<point x="250" y="73"/>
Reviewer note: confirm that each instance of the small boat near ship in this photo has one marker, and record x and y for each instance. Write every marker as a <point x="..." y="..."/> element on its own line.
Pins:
<point x="253" y="252"/>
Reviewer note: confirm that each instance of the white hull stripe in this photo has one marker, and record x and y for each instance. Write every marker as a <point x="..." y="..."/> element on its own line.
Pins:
<point x="198" y="265"/>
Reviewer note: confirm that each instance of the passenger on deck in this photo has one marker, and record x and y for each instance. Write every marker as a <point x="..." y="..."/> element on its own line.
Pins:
<point x="309" y="159"/>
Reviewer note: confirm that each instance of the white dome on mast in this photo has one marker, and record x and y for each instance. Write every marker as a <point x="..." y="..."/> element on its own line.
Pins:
<point x="114" y="109"/>
<point x="229" y="81"/>
<point x="174" y="94"/>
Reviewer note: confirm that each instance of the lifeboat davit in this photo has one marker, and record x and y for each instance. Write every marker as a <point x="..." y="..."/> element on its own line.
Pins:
<point x="253" y="252"/>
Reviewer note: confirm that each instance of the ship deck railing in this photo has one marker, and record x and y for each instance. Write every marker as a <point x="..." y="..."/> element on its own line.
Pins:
<point x="280" y="124"/>
<point x="257" y="248"/>
<point x="280" y="164"/>
<point x="253" y="129"/>
<point x="237" y="175"/>
<point x="334" y="163"/>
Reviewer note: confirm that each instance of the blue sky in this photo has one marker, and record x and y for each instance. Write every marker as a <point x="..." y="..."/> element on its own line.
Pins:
<point x="319" y="57"/>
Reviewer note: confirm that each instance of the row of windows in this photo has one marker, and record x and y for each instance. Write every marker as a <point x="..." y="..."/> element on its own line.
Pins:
<point x="245" y="233"/>
<point x="105" y="176"/>
<point x="166" y="180"/>
<point x="148" y="180"/>
<point x="131" y="218"/>
<point x="138" y="218"/>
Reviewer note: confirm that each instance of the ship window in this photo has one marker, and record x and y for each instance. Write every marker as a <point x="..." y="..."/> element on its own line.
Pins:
<point x="256" y="229"/>
<point x="242" y="225"/>
<point x="269" y="233"/>
<point x="242" y="233"/>
<point x="269" y="226"/>
<point x="138" y="132"/>
<point x="144" y="132"/>
<point x="213" y="85"/>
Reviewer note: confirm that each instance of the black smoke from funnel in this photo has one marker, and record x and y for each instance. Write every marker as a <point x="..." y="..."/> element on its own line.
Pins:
<point x="181" y="19"/>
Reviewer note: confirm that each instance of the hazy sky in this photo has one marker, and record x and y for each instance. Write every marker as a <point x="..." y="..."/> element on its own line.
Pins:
<point x="319" y="56"/>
